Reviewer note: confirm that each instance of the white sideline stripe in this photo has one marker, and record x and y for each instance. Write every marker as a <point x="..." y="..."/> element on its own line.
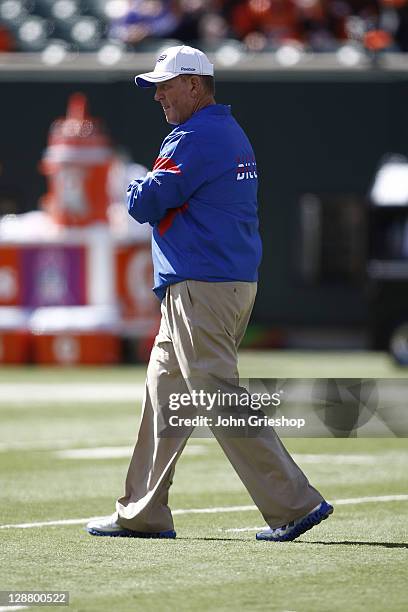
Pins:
<point x="367" y="500"/>
<point x="340" y="459"/>
<point x="103" y="452"/>
<point x="46" y="445"/>
<point x="92" y="518"/>
<point x="116" y="452"/>
<point x="32" y="393"/>
<point x="124" y="451"/>
<point x="215" y="510"/>
<point x="355" y="500"/>
<point x="5" y="608"/>
<point x="336" y="502"/>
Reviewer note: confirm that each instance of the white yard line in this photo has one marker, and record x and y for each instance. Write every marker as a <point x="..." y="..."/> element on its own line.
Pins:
<point x="103" y="452"/>
<point x="51" y="445"/>
<point x="215" y="510"/>
<point x="368" y="500"/>
<point x="91" y="518"/>
<point x="6" y="608"/>
<point x="114" y="452"/>
<point x="337" y="459"/>
<point x="34" y="393"/>
<point x="49" y="523"/>
<point x="63" y="450"/>
<point x="85" y="392"/>
<point x="336" y="502"/>
<point x="117" y="452"/>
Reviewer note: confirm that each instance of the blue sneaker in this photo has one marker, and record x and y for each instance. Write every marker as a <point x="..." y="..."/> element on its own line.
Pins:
<point x="109" y="526"/>
<point x="294" y="529"/>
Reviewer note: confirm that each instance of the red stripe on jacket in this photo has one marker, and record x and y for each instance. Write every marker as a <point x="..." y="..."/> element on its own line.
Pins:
<point x="168" y="219"/>
<point x="167" y="164"/>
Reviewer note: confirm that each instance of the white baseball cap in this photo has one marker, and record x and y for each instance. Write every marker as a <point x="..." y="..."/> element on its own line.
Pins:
<point x="174" y="61"/>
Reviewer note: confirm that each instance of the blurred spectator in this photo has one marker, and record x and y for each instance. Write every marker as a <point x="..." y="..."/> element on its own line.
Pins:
<point x="353" y="18"/>
<point x="213" y="29"/>
<point x="276" y="20"/>
<point x="395" y="15"/>
<point x="317" y="25"/>
<point x="186" y="20"/>
<point x="6" y="40"/>
<point x="146" y="19"/>
<point x="193" y="15"/>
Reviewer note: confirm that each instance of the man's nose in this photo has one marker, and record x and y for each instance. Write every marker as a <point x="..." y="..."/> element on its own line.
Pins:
<point x="158" y="96"/>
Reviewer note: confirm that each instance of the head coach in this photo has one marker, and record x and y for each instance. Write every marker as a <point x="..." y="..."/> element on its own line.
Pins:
<point x="201" y="200"/>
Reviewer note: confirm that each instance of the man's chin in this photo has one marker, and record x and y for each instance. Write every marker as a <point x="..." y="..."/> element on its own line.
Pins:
<point x="170" y="119"/>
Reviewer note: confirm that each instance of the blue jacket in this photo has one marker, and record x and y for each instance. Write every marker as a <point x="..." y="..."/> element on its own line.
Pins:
<point x="201" y="199"/>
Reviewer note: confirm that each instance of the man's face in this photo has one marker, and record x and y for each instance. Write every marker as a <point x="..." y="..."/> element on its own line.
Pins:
<point x="176" y="99"/>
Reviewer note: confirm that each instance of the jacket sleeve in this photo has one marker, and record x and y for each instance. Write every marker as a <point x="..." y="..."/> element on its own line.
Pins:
<point x="177" y="173"/>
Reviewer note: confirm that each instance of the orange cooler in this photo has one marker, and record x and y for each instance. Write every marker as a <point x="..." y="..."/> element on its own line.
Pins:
<point x="76" y="163"/>
<point x="84" y="335"/>
<point x="10" y="275"/>
<point x="76" y="348"/>
<point x="14" y="336"/>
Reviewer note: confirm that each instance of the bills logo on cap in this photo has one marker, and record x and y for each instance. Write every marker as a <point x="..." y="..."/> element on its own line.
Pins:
<point x="162" y="57"/>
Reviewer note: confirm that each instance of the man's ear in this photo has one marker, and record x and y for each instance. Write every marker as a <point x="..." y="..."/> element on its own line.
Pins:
<point x="195" y="84"/>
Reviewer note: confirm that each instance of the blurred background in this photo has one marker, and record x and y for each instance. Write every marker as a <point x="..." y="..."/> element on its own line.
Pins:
<point x="320" y="87"/>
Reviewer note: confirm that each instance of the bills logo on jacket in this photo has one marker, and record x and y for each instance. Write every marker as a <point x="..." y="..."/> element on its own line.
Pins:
<point x="246" y="168"/>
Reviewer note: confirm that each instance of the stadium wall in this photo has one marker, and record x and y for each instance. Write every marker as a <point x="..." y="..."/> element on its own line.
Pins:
<point x="314" y="132"/>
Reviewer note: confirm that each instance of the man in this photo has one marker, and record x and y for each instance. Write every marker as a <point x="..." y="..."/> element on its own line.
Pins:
<point x="201" y="199"/>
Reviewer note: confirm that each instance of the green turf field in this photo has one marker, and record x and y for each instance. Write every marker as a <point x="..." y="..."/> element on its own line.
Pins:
<point x="356" y="560"/>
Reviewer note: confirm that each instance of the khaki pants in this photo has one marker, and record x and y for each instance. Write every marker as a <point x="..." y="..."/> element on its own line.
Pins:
<point x="201" y="328"/>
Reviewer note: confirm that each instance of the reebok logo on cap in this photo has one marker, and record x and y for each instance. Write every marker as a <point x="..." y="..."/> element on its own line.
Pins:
<point x="174" y="61"/>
